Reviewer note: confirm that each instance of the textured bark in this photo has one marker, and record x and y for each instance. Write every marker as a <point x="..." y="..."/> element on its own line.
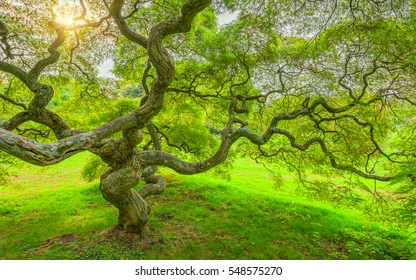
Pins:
<point x="15" y="121"/>
<point x="155" y="186"/>
<point x="40" y="154"/>
<point x="117" y="188"/>
<point x="117" y="184"/>
<point x="127" y="165"/>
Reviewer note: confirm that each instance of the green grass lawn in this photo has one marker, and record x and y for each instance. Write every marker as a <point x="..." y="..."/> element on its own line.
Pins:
<point x="51" y="213"/>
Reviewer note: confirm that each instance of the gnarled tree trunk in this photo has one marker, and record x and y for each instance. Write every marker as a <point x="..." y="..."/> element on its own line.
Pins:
<point x="117" y="187"/>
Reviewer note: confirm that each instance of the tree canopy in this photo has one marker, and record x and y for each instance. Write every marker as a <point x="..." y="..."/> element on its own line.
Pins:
<point x="307" y="84"/>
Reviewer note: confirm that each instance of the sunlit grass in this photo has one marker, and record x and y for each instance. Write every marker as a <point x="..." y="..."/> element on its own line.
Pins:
<point x="50" y="213"/>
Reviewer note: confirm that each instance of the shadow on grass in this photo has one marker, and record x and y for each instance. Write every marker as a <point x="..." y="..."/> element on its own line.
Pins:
<point x="202" y="221"/>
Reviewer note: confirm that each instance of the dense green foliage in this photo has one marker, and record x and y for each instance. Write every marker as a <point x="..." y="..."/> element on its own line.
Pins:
<point x="320" y="91"/>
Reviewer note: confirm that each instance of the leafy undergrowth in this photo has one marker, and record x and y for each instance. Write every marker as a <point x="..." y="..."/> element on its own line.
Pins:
<point x="58" y="216"/>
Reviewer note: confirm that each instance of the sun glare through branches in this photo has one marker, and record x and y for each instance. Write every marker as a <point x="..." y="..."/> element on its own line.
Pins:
<point x="67" y="12"/>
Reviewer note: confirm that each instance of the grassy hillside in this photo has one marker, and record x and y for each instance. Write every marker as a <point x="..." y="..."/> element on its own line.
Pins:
<point x="50" y="213"/>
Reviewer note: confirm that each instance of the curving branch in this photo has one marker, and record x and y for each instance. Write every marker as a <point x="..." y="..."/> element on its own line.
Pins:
<point x="29" y="81"/>
<point x="15" y="121"/>
<point x="145" y="76"/>
<point x="11" y="100"/>
<point x="362" y="124"/>
<point x="115" y="11"/>
<point x="155" y="186"/>
<point x="228" y="137"/>
<point x="52" y="49"/>
<point x="182" y="167"/>
<point x="3" y="38"/>
<point x="42" y="154"/>
<point x="33" y="132"/>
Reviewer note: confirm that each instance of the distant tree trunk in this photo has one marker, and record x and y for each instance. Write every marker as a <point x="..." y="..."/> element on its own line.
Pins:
<point x="117" y="188"/>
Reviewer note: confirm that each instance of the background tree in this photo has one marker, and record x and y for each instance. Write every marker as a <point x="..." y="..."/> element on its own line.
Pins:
<point x="304" y="83"/>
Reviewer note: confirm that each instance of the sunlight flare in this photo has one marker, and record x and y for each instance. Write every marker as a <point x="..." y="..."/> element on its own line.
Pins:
<point x="66" y="12"/>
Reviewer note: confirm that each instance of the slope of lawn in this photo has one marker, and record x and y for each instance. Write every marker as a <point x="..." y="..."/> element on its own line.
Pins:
<point x="51" y="213"/>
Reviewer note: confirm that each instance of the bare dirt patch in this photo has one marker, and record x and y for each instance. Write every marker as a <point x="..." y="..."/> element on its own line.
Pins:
<point x="54" y="240"/>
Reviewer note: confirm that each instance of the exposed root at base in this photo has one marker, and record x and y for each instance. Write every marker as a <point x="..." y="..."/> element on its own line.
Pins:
<point x="118" y="233"/>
